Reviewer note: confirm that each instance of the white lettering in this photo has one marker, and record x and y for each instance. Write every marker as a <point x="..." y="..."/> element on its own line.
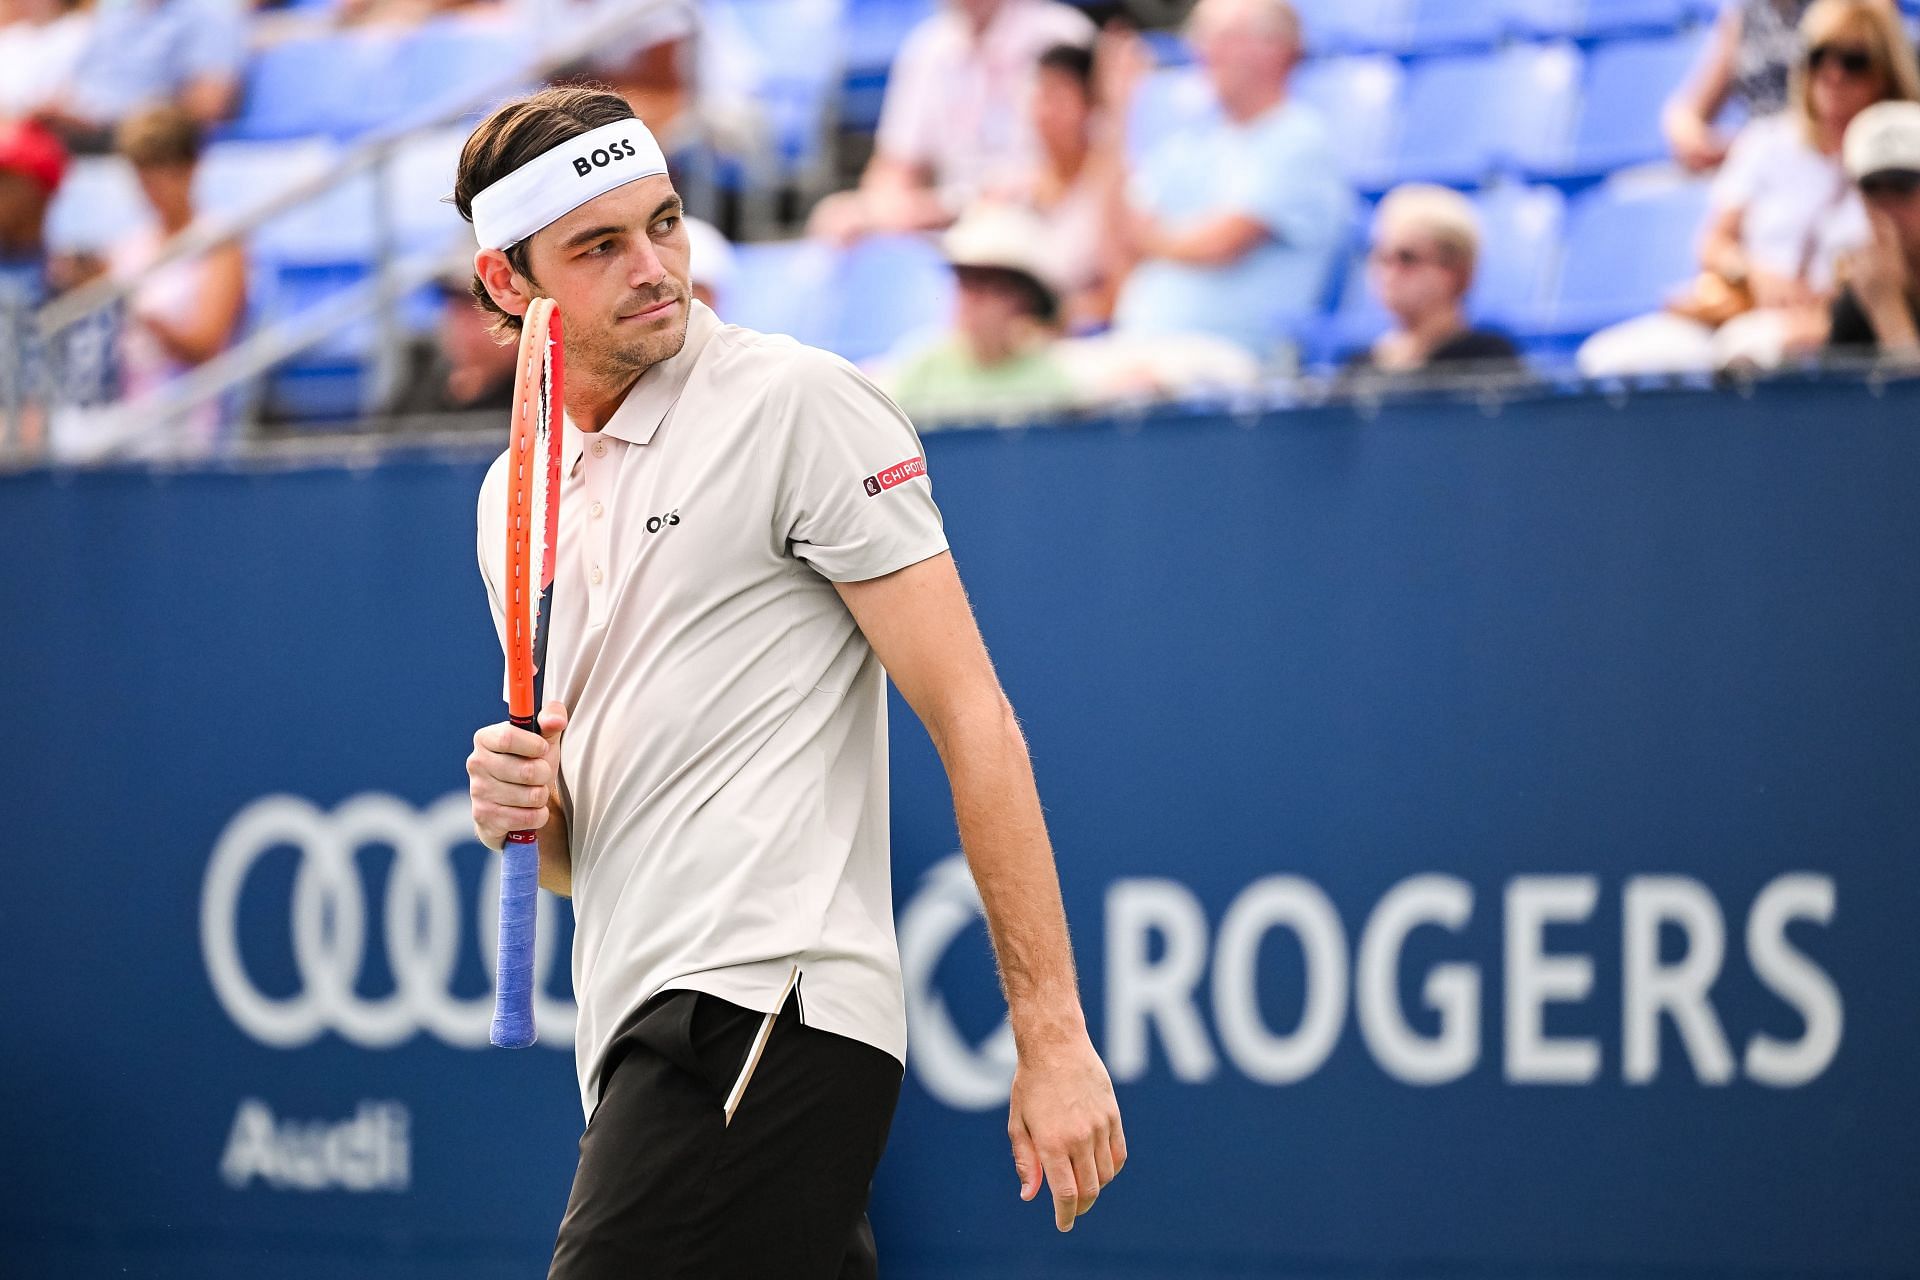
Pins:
<point x="1649" y="988"/>
<point x="1795" y="979"/>
<point x="1302" y="907"/>
<point x="1140" y="992"/>
<point x="369" y="1152"/>
<point x="1451" y="990"/>
<point x="1535" y="979"/>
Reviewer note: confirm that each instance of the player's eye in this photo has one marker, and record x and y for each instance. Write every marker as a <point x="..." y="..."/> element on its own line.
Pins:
<point x="599" y="250"/>
<point x="666" y="225"/>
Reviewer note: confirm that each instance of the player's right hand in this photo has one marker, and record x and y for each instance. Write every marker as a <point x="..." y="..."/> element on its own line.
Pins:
<point x="512" y="774"/>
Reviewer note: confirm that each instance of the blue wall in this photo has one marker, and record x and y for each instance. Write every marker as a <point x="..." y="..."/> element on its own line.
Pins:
<point x="1651" y="667"/>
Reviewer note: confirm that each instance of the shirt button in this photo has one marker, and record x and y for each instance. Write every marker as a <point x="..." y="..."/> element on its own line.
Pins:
<point x="599" y="449"/>
<point x="596" y="510"/>
<point x="596" y="575"/>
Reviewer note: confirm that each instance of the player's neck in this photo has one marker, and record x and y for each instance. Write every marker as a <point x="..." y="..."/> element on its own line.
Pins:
<point x="593" y="399"/>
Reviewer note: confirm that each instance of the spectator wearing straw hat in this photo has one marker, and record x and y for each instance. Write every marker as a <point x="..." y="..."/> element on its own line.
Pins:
<point x="1000" y="355"/>
<point x="1878" y="306"/>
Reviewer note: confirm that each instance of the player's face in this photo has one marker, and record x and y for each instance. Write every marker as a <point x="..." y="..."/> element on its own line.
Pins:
<point x="617" y="267"/>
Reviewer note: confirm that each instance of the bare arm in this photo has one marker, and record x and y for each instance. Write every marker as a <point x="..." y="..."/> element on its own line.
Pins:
<point x="1217" y="241"/>
<point x="920" y="625"/>
<point x="204" y="334"/>
<point x="1688" y="117"/>
<point x="1062" y="1117"/>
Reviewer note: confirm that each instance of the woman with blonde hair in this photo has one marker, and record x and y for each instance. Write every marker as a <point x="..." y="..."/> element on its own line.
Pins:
<point x="1782" y="210"/>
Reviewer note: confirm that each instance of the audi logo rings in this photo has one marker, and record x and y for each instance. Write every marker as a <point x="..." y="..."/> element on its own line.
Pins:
<point x="329" y="917"/>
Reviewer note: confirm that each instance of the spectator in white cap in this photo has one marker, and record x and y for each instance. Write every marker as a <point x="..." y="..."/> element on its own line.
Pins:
<point x="712" y="264"/>
<point x="1426" y="246"/>
<point x="1000" y="355"/>
<point x="1876" y="309"/>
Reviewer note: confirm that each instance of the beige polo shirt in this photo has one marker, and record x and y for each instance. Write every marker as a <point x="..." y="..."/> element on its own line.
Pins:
<point x="725" y="767"/>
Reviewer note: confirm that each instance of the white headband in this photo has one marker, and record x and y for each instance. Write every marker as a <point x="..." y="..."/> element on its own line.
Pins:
<point x="555" y="183"/>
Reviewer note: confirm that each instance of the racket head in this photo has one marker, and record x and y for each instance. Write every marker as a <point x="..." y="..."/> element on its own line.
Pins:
<point x="534" y="447"/>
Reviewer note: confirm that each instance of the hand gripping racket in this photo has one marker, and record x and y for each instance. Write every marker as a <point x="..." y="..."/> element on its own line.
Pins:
<point x="533" y="528"/>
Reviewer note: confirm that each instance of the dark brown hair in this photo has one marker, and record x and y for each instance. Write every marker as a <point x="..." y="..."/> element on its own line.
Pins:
<point x="515" y="133"/>
<point x="159" y="136"/>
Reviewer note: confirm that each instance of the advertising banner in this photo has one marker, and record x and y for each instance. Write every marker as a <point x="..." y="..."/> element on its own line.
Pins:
<point x="1490" y="841"/>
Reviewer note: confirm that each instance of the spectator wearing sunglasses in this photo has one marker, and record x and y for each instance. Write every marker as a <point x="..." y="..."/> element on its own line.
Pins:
<point x="1747" y="65"/>
<point x="1782" y="214"/>
<point x="1877" y="310"/>
<point x="1426" y="245"/>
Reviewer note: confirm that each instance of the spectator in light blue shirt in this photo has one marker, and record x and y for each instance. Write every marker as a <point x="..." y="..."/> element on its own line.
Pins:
<point x="1234" y="221"/>
<point x="143" y="53"/>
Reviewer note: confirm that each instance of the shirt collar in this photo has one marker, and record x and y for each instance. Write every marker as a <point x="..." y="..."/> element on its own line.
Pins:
<point x="654" y="393"/>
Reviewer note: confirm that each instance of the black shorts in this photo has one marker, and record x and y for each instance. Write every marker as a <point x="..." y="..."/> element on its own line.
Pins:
<point x="667" y="1187"/>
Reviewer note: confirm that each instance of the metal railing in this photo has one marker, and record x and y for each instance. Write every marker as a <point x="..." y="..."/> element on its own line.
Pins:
<point x="144" y="422"/>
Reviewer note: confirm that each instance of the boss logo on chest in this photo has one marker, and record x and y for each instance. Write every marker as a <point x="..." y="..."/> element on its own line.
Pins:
<point x="601" y="157"/>
<point x="656" y="523"/>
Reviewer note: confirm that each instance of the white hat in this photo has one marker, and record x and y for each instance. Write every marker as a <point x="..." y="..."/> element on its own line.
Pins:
<point x="1885" y="136"/>
<point x="1004" y="237"/>
<point x="711" y="256"/>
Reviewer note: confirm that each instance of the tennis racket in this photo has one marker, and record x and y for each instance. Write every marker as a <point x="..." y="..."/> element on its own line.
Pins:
<point x="533" y="529"/>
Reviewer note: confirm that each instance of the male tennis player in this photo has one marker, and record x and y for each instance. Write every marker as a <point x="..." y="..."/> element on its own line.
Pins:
<point x="748" y="538"/>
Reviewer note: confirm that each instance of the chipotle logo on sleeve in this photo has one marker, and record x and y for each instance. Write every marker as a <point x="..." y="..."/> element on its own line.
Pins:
<point x="897" y="474"/>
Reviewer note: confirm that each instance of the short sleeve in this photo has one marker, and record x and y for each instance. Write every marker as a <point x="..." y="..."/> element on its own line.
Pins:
<point x="852" y="498"/>
<point x="1295" y="190"/>
<point x="1739" y="178"/>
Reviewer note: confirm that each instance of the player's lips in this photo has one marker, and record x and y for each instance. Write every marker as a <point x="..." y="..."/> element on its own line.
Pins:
<point x="653" y="312"/>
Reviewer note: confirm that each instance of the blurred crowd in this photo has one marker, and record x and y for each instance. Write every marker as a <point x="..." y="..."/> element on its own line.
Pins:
<point x="1089" y="265"/>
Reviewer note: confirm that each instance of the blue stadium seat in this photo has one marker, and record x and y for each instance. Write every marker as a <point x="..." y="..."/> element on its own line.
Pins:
<point x="1627" y="83"/>
<point x="875" y="30"/>
<point x="418" y="181"/>
<point x="1468" y="116"/>
<point x="1629" y="244"/>
<point x="1351" y="26"/>
<point x="98" y="204"/>
<point x="860" y="303"/>
<point x="335" y="227"/>
<point x="1520" y="235"/>
<point x="782" y="286"/>
<point x="1438" y="26"/>
<point x="444" y="59"/>
<point x="796" y="56"/>
<point x="236" y="176"/>
<point x="1598" y="19"/>
<point x="890" y="289"/>
<point x="1359" y="99"/>
<point x="328" y="85"/>
<point x="331" y="380"/>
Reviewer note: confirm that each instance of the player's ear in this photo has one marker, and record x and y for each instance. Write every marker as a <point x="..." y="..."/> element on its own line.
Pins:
<point x="508" y="288"/>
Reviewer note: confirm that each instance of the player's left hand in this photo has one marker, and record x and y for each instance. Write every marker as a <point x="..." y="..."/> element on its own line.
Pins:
<point x="1065" y="1123"/>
